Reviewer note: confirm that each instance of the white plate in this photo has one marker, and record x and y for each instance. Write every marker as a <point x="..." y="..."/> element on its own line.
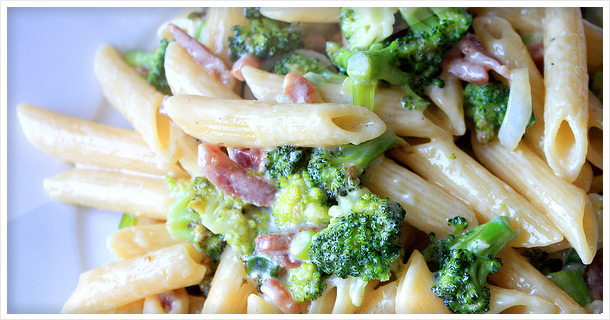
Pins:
<point x="50" y="64"/>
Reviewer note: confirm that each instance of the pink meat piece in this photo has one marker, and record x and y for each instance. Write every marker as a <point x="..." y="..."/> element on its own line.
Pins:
<point x="300" y="90"/>
<point x="279" y="296"/>
<point x="277" y="247"/>
<point x="245" y="60"/>
<point x="248" y="158"/>
<point x="203" y="56"/>
<point x="468" y="61"/>
<point x="233" y="179"/>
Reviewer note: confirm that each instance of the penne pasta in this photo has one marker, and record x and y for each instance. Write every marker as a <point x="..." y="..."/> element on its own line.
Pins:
<point x="597" y="184"/>
<point x="170" y="302"/>
<point x="166" y="269"/>
<point x="443" y="163"/>
<point x="139" y="240"/>
<point x="595" y="44"/>
<point x="381" y="300"/>
<point x="409" y="123"/>
<point x="252" y="124"/>
<point x="585" y="177"/>
<point x="595" y="151"/>
<point x="89" y="143"/>
<point x="513" y="301"/>
<point x="217" y="29"/>
<point x="110" y="190"/>
<point x="307" y="14"/>
<point x="566" y="97"/>
<point x="185" y="76"/>
<point x="257" y="305"/>
<point x="137" y="100"/>
<point x="566" y="205"/>
<point x="449" y="100"/>
<point x="428" y="207"/>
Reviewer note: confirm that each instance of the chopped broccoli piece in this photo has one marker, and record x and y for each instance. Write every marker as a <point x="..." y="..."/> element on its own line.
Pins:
<point x="261" y="269"/>
<point x="597" y="85"/>
<point x="305" y="282"/>
<point x="486" y="106"/>
<point x="285" y="160"/>
<point x="264" y="37"/>
<point x="252" y="13"/>
<point x="362" y="243"/>
<point x="299" y="201"/>
<point x="365" y="26"/>
<point x="337" y="170"/>
<point x="127" y="220"/>
<point x="298" y="64"/>
<point x="153" y="62"/>
<point x="572" y="282"/>
<point x="462" y="263"/>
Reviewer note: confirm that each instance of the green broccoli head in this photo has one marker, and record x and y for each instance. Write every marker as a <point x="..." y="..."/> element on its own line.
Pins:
<point x="337" y="170"/>
<point x="285" y="160"/>
<point x="362" y="243"/>
<point x="365" y="26"/>
<point x="486" y="106"/>
<point x="299" y="201"/>
<point x="463" y="262"/>
<point x="263" y="37"/>
<point x="153" y="62"/>
<point x="305" y="283"/>
<point x="298" y="64"/>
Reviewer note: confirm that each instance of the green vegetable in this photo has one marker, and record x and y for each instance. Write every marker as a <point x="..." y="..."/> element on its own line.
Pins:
<point x="127" y="220"/>
<point x="462" y="263"/>
<point x="573" y="283"/>
<point x="362" y="243"/>
<point x="285" y="160"/>
<point x="365" y="26"/>
<point x="298" y="64"/>
<point x="299" y="201"/>
<point x="263" y="37"/>
<point x="153" y="62"/>
<point x="486" y="106"/>
<point x="305" y="282"/>
<point x="261" y="269"/>
<point x="337" y="170"/>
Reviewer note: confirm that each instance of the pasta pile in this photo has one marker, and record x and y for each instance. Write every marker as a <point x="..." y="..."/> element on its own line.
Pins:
<point x="548" y="185"/>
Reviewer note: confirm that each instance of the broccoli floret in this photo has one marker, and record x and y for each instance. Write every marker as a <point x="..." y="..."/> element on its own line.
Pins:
<point x="365" y="26"/>
<point x="462" y="263"/>
<point x="298" y="64"/>
<point x="486" y="106"/>
<point x="223" y="214"/>
<point x="337" y="170"/>
<point x="285" y="160"/>
<point x="153" y="62"/>
<point x="597" y="85"/>
<point x="362" y="243"/>
<point x="263" y="37"/>
<point x="299" y="201"/>
<point x="305" y="282"/>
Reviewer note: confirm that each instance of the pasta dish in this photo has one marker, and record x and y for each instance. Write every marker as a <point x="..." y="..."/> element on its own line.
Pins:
<point x="344" y="160"/>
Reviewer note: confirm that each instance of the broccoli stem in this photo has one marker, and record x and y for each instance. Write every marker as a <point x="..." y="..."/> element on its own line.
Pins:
<point x="573" y="283"/>
<point x="487" y="239"/>
<point x="360" y="155"/>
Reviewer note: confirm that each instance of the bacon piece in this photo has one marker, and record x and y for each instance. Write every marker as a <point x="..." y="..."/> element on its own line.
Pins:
<point x="277" y="247"/>
<point x="300" y="90"/>
<point x="233" y="179"/>
<point x="468" y="61"/>
<point x="245" y="60"/>
<point x="594" y="276"/>
<point x="203" y="56"/>
<point x="248" y="158"/>
<point x="279" y="296"/>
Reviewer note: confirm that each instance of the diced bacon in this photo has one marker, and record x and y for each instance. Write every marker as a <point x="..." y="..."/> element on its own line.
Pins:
<point x="245" y="60"/>
<point x="594" y="276"/>
<point x="277" y="247"/>
<point x="233" y="179"/>
<point x="248" y="158"/>
<point x="279" y="296"/>
<point x="300" y="90"/>
<point x="468" y="61"/>
<point x="203" y="56"/>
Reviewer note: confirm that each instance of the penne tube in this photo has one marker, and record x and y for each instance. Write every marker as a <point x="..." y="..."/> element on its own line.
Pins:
<point x="231" y="288"/>
<point x="113" y="191"/>
<point x="566" y="81"/>
<point x="504" y="43"/>
<point x="445" y="164"/>
<point x="185" y="76"/>
<point x="517" y="273"/>
<point x="409" y="123"/>
<point x="595" y="44"/>
<point x="195" y="304"/>
<point x="381" y="300"/>
<point x="254" y="124"/>
<point x="449" y="100"/>
<point x="124" y="282"/>
<point x="303" y="14"/>
<point x="585" y="177"/>
<point x="514" y="301"/>
<point x="135" y="307"/>
<point x="595" y="151"/>
<point x="217" y="29"/>
<point x="597" y="203"/>
<point x="258" y="305"/>
<point x="428" y="207"/>
<point x="597" y="184"/>
<point x="139" y="240"/>
<point x="137" y="100"/>
<point x="90" y="143"/>
<point x="565" y="204"/>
